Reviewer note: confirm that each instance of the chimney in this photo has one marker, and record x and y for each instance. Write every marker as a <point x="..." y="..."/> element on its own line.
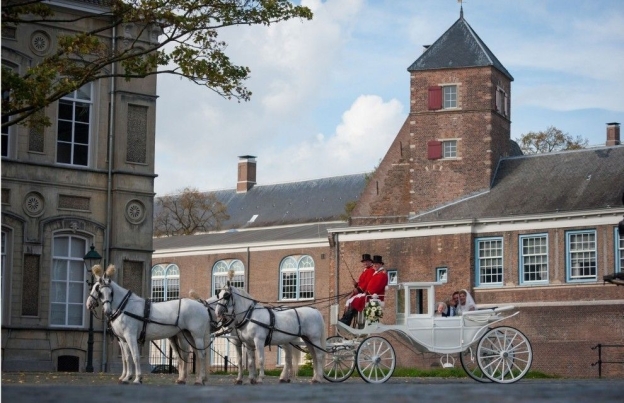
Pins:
<point x="246" y="173"/>
<point x="613" y="134"/>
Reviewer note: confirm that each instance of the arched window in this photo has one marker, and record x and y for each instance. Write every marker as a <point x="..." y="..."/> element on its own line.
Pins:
<point x="220" y="274"/>
<point x="165" y="286"/>
<point x="297" y="278"/>
<point x="67" y="285"/>
<point x="165" y="282"/>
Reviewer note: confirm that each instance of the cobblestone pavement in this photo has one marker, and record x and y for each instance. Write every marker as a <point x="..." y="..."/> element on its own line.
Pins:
<point x="103" y="388"/>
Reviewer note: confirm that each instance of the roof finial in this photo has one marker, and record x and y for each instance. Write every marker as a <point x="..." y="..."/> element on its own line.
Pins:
<point x="461" y="9"/>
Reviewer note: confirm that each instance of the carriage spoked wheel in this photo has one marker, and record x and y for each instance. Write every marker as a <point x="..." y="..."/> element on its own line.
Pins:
<point x="339" y="359"/>
<point x="468" y="359"/>
<point x="375" y="359"/>
<point x="504" y="354"/>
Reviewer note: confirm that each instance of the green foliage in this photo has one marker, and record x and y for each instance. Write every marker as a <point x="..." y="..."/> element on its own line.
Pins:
<point x="550" y="140"/>
<point x="187" y="46"/>
<point x="349" y="206"/>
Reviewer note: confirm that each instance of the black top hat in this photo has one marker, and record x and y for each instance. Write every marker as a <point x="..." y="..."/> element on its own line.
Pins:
<point x="366" y="258"/>
<point x="377" y="259"/>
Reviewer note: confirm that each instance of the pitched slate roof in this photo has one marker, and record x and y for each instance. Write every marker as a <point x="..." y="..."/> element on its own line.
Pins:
<point x="568" y="181"/>
<point x="295" y="211"/>
<point x="459" y="46"/>
<point x="307" y="201"/>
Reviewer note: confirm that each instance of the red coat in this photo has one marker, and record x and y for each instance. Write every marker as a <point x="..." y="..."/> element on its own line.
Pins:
<point x="376" y="285"/>
<point x="365" y="278"/>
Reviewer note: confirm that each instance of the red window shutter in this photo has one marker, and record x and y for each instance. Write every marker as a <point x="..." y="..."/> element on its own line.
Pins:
<point x="434" y="150"/>
<point x="435" y="98"/>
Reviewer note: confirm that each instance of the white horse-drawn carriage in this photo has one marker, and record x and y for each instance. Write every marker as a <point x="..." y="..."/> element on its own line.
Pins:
<point x="488" y="354"/>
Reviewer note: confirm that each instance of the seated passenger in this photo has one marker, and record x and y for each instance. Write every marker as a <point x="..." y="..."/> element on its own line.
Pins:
<point x="466" y="303"/>
<point x="441" y="310"/>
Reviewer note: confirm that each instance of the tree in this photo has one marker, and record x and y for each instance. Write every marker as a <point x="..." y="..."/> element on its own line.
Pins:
<point x="187" y="45"/>
<point x="188" y="212"/>
<point x="552" y="139"/>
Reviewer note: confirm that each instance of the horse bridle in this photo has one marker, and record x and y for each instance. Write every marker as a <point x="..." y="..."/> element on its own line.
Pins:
<point x="227" y="297"/>
<point x="97" y="289"/>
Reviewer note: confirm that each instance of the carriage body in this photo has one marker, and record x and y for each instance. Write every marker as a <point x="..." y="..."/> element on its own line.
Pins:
<point x="486" y="354"/>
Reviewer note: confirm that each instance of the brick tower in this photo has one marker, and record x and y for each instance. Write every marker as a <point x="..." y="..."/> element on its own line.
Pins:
<point x="457" y="130"/>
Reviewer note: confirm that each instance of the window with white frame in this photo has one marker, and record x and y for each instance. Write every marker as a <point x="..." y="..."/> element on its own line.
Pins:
<point x="581" y="259"/>
<point x="393" y="277"/>
<point x="449" y="149"/>
<point x="165" y="282"/>
<point x="442" y="274"/>
<point x="619" y="251"/>
<point x="489" y="261"/>
<point x="449" y="96"/>
<point x="165" y="286"/>
<point x="297" y="278"/>
<point x="67" y="285"/>
<point x="73" y="127"/>
<point x="220" y="274"/>
<point x="533" y="258"/>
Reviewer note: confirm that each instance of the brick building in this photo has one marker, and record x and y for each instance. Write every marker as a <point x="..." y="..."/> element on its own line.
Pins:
<point x="453" y="200"/>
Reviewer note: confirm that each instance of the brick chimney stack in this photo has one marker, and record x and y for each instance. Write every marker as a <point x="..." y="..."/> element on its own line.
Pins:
<point x="613" y="134"/>
<point x="246" y="173"/>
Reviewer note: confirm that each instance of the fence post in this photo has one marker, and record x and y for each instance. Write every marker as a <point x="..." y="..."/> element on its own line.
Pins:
<point x="170" y="360"/>
<point x="225" y="364"/>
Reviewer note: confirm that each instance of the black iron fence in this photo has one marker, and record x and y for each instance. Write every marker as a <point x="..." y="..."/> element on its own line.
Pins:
<point x="600" y="361"/>
<point x="162" y="359"/>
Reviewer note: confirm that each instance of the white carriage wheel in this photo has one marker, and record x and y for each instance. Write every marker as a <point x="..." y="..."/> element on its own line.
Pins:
<point x="339" y="359"/>
<point x="375" y="360"/>
<point x="504" y="354"/>
<point x="468" y="359"/>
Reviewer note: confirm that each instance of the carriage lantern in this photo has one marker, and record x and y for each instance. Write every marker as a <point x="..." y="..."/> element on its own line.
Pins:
<point x="90" y="259"/>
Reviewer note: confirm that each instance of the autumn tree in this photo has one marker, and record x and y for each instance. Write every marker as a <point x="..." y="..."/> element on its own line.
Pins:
<point x="177" y="37"/>
<point x="552" y="139"/>
<point x="187" y="212"/>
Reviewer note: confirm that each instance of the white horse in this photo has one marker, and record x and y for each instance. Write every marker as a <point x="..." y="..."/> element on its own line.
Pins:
<point x="292" y="355"/>
<point x="256" y="325"/>
<point x="126" y="312"/>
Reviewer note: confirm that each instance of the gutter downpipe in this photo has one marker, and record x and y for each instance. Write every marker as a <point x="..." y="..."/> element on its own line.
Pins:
<point x="109" y="185"/>
<point x="337" y="283"/>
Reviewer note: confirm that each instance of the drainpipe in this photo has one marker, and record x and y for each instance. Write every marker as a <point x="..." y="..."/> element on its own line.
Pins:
<point x="337" y="283"/>
<point x="109" y="185"/>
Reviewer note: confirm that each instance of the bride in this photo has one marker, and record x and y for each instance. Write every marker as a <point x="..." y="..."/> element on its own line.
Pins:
<point x="466" y="303"/>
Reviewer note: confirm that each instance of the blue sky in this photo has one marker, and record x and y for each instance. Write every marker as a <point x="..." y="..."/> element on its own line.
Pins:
<point x="330" y="94"/>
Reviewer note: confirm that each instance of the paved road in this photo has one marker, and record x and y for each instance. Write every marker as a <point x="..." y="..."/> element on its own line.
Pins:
<point x="102" y="388"/>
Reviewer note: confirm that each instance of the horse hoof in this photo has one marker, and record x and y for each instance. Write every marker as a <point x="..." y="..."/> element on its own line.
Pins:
<point x="181" y="382"/>
<point x="124" y="382"/>
<point x="238" y="382"/>
<point x="253" y="382"/>
<point x="314" y="381"/>
<point x="284" y="381"/>
<point x="198" y="384"/>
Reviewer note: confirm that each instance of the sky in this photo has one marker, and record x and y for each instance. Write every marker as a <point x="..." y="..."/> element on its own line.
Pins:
<point x="330" y="94"/>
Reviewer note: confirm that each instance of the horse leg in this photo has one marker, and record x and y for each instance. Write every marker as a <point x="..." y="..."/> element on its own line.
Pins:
<point x="286" y="371"/>
<point x="251" y="362"/>
<point x="239" y="359"/>
<point x="200" y="354"/>
<point x="180" y="350"/>
<point x="260" y="349"/>
<point x="124" y="362"/>
<point x="127" y="358"/>
<point x="136" y="359"/>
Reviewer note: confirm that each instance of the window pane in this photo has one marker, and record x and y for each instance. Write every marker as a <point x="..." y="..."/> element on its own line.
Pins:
<point x="82" y="112"/>
<point x="78" y="248"/>
<point x="289" y="285"/>
<point x="61" y="246"/>
<point x="63" y="153"/>
<point x="81" y="134"/>
<point x="57" y="314"/>
<point x="66" y="110"/>
<point x="84" y="92"/>
<point x="74" y="315"/>
<point x="58" y="292"/>
<point x="75" y="293"/>
<point x="80" y="155"/>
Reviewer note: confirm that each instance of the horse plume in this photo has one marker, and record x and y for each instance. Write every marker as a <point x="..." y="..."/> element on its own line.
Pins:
<point x="230" y="274"/>
<point x="96" y="270"/>
<point x="194" y="295"/>
<point x="110" y="270"/>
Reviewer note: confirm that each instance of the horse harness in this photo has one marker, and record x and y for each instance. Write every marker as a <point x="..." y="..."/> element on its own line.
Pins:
<point x="271" y="326"/>
<point x="146" y="313"/>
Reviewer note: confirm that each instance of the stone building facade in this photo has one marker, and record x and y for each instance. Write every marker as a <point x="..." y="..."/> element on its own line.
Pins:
<point x="88" y="179"/>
